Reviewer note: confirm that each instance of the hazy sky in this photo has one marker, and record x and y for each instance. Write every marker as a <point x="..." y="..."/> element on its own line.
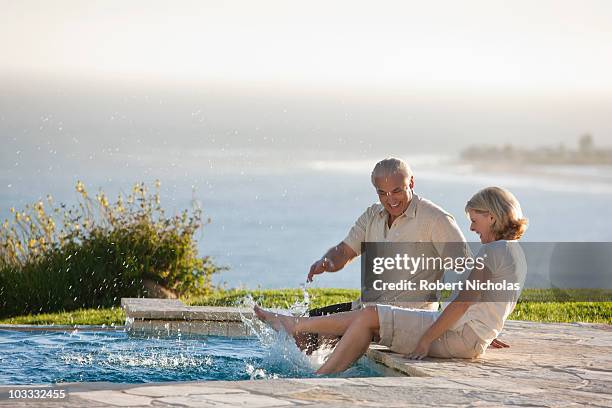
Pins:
<point x="85" y="81"/>
<point x="528" y="45"/>
<point x="113" y="92"/>
<point x="275" y="110"/>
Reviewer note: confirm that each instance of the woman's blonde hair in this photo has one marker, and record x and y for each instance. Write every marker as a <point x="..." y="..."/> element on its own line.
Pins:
<point x="509" y="222"/>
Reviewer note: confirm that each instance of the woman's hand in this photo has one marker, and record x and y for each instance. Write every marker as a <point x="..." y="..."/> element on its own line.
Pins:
<point x="421" y="349"/>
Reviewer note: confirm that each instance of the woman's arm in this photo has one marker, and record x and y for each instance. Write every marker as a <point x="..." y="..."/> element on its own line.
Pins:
<point x="449" y="316"/>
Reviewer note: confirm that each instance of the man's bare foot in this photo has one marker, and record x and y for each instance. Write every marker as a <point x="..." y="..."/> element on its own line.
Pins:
<point x="277" y="321"/>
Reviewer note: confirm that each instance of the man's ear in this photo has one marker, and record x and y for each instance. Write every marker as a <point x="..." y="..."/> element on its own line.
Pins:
<point x="411" y="184"/>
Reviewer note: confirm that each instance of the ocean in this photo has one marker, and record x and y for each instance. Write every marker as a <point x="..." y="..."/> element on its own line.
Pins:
<point x="273" y="213"/>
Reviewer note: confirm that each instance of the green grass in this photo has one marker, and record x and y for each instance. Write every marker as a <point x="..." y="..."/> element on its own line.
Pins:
<point x="280" y="298"/>
<point x="535" y="305"/>
<point x="586" y="312"/>
<point x="108" y="317"/>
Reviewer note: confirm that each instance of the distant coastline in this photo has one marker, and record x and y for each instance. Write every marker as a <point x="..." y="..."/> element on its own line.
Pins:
<point x="586" y="154"/>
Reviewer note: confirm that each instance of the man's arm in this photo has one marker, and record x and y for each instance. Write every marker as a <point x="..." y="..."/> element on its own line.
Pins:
<point x="448" y="239"/>
<point x="337" y="257"/>
<point x="333" y="260"/>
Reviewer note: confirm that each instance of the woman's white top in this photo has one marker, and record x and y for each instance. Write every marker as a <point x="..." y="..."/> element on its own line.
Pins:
<point x="504" y="260"/>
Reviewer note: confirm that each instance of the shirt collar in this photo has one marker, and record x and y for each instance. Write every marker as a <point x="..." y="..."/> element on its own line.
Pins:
<point x="410" y="211"/>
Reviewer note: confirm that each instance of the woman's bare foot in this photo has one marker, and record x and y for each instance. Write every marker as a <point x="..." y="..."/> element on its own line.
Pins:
<point x="277" y="321"/>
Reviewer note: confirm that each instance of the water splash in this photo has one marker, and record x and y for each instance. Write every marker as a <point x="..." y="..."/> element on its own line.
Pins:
<point x="143" y="359"/>
<point x="253" y="324"/>
<point x="281" y="350"/>
<point x="156" y="360"/>
<point x="129" y="321"/>
<point x="81" y="359"/>
<point x="301" y="307"/>
<point x="259" y="373"/>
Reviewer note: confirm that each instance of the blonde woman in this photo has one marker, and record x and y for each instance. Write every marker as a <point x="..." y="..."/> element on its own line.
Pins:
<point x="467" y="324"/>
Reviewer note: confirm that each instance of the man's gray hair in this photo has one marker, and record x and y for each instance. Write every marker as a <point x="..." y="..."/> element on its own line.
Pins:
<point x="390" y="166"/>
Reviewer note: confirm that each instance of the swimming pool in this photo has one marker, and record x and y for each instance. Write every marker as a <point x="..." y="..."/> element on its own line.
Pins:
<point x="37" y="357"/>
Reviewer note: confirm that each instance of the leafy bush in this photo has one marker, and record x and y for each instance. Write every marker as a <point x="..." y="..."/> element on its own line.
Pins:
<point x="101" y="252"/>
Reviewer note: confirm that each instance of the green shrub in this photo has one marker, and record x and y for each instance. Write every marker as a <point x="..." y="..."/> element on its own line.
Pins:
<point x="102" y="252"/>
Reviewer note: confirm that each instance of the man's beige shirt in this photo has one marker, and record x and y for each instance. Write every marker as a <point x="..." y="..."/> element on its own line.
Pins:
<point x="422" y="222"/>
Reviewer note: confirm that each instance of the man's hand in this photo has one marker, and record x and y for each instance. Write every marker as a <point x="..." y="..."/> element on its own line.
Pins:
<point x="421" y="350"/>
<point x="333" y="260"/>
<point x="317" y="268"/>
<point x="498" y="344"/>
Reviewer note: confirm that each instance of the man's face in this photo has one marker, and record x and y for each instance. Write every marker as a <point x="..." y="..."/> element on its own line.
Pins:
<point x="394" y="192"/>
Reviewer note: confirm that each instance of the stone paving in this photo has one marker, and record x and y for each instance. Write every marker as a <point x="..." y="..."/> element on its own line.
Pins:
<point x="554" y="365"/>
<point x="159" y="316"/>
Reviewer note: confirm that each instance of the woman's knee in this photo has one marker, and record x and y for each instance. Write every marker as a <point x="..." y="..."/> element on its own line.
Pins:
<point x="369" y="317"/>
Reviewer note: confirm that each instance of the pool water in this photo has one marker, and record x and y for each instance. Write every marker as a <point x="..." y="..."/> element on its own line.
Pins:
<point x="114" y="356"/>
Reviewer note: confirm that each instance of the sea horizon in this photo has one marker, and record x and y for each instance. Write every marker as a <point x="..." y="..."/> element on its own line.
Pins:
<point x="270" y="219"/>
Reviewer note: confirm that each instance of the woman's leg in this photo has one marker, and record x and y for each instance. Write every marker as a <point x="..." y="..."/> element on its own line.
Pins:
<point x="335" y="324"/>
<point x="354" y="343"/>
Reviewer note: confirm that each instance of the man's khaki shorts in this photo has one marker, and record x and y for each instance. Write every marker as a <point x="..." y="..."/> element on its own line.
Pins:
<point x="401" y="329"/>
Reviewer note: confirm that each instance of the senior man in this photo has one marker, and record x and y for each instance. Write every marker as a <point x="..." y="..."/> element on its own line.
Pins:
<point x="400" y="216"/>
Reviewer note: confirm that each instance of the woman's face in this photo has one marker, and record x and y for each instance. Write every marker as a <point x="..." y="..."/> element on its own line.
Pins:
<point x="481" y="225"/>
